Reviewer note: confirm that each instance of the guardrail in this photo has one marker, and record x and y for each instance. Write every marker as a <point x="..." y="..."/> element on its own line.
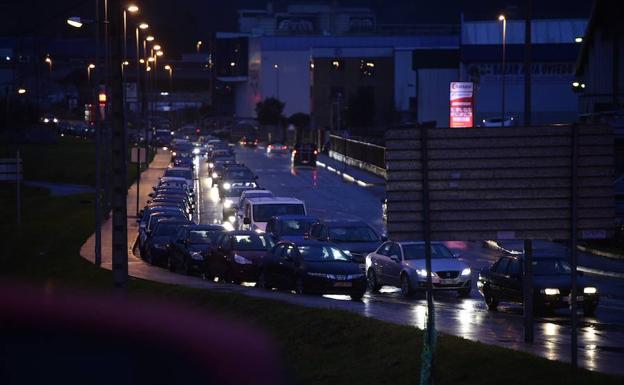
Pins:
<point x="367" y="156"/>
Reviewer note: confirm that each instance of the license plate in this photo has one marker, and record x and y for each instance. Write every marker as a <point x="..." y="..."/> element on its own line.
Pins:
<point x="343" y="284"/>
<point x="447" y="281"/>
<point x="579" y="298"/>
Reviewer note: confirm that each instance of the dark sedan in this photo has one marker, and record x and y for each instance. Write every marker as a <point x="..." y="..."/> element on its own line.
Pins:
<point x="238" y="256"/>
<point x="502" y="282"/>
<point x="312" y="267"/>
<point x="160" y="239"/>
<point x="191" y="247"/>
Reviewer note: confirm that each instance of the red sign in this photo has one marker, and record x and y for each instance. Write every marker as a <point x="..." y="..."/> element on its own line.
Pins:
<point x="462" y="102"/>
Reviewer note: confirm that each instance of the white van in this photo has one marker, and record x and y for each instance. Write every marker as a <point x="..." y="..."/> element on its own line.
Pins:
<point x="258" y="211"/>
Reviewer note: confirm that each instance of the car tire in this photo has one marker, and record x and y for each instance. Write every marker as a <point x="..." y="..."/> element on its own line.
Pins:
<point x="589" y="310"/>
<point x="262" y="283"/>
<point x="300" y="286"/>
<point x="491" y="302"/>
<point x="357" y="296"/>
<point x="464" y="293"/>
<point x="406" y="286"/>
<point x="373" y="283"/>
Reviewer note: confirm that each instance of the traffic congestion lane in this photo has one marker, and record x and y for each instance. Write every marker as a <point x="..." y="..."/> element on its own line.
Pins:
<point x="329" y="196"/>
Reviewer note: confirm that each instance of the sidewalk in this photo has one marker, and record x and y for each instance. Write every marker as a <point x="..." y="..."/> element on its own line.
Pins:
<point x="149" y="178"/>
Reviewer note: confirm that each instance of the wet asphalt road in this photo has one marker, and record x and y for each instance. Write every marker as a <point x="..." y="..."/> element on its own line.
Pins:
<point x="601" y="338"/>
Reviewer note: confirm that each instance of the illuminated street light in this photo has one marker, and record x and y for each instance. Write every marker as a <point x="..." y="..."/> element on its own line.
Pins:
<point x="198" y="45"/>
<point x="21" y="91"/>
<point x="504" y="20"/>
<point x="159" y="53"/>
<point x="148" y="69"/>
<point x="133" y="8"/>
<point x="149" y="38"/>
<point x="143" y="26"/>
<point x="232" y="64"/>
<point x="125" y="63"/>
<point x="75" y="22"/>
<point x="578" y="39"/>
<point x="150" y="59"/>
<point x="142" y="61"/>
<point x="157" y="47"/>
<point x="575" y="84"/>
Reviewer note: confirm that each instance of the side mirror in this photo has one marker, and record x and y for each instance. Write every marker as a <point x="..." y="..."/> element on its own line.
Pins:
<point x="384" y="238"/>
<point x="395" y="258"/>
<point x="151" y="195"/>
<point x="247" y="221"/>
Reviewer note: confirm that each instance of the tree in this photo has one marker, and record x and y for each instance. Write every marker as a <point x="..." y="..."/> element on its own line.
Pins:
<point x="299" y="120"/>
<point x="269" y="111"/>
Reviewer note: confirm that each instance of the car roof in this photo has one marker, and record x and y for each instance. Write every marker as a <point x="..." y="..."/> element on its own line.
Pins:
<point x="244" y="232"/>
<point x="403" y="243"/>
<point x="307" y="242"/>
<point x="344" y="222"/>
<point x="271" y="200"/>
<point x="258" y="192"/>
<point x="206" y="227"/>
<point x="295" y="217"/>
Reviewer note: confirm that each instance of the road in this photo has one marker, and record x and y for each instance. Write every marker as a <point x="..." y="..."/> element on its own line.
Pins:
<point x="601" y="338"/>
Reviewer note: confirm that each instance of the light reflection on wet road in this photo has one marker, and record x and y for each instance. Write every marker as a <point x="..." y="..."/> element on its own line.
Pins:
<point x="601" y="339"/>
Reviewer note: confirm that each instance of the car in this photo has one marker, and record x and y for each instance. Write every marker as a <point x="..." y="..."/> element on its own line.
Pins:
<point x="237" y="178"/>
<point x="277" y="148"/>
<point x="179" y="201"/>
<point x="355" y="236"/>
<point x="258" y="211"/>
<point x="402" y="264"/>
<point x="311" y="267"/>
<point x="238" y="256"/>
<point x="182" y="150"/>
<point x="160" y="239"/>
<point x="238" y="206"/>
<point x="502" y="282"/>
<point x="304" y="154"/>
<point x="185" y="162"/>
<point x="290" y="227"/>
<point x="231" y="197"/>
<point x="144" y="216"/>
<point x="181" y="172"/>
<point x="249" y="141"/>
<point x="191" y="247"/>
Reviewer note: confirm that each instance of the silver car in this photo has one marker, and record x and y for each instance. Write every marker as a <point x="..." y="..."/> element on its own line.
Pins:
<point x="402" y="264"/>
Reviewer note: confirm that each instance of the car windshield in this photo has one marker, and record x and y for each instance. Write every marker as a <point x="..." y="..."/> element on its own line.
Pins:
<point x="240" y="173"/>
<point x="295" y="226"/>
<point x="322" y="254"/>
<point x="252" y="242"/>
<point x="352" y="234"/>
<point x="203" y="236"/>
<point x="551" y="266"/>
<point x="166" y="229"/>
<point x="186" y="174"/>
<point x="417" y="251"/>
<point x="263" y="212"/>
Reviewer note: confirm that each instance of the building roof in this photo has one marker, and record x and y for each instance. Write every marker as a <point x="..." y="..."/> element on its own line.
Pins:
<point x="550" y="31"/>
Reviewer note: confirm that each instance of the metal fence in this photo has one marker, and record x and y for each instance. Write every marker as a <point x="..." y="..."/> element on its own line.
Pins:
<point x="367" y="153"/>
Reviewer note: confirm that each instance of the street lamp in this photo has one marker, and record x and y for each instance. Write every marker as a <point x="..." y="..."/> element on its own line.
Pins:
<point x="90" y="68"/>
<point x="75" y="21"/>
<point x="149" y="38"/>
<point x="159" y="53"/>
<point x="504" y="20"/>
<point x="21" y="91"/>
<point x="157" y="47"/>
<point x="277" y="76"/>
<point x="169" y="68"/>
<point x="198" y="45"/>
<point x="49" y="61"/>
<point x="130" y="9"/>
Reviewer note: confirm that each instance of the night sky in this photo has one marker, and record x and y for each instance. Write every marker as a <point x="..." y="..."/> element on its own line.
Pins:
<point x="178" y="24"/>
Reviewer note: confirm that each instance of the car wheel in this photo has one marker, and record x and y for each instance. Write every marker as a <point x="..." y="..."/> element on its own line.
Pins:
<point x="406" y="286"/>
<point x="464" y="292"/>
<point x="589" y="310"/>
<point x="373" y="284"/>
<point x="262" y="282"/>
<point x="300" y="286"/>
<point x="357" y="296"/>
<point x="491" y="302"/>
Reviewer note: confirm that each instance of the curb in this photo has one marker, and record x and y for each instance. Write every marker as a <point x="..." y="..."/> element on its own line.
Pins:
<point x="346" y="176"/>
<point x="601" y="253"/>
<point x="584" y="269"/>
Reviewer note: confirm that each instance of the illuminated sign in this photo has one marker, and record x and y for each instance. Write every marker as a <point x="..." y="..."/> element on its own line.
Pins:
<point x="462" y="102"/>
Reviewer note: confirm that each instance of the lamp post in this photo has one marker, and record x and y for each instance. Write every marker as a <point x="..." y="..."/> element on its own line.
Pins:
<point x="169" y="69"/>
<point x="48" y="60"/>
<point x="90" y="68"/>
<point x="277" y="87"/>
<point x="504" y="20"/>
<point x="198" y="45"/>
<point x="130" y="9"/>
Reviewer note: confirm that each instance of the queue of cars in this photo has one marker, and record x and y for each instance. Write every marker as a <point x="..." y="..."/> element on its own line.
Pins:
<point x="277" y="244"/>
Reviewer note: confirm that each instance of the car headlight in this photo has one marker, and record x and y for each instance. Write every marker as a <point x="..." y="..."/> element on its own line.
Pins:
<point x="259" y="231"/>
<point x="196" y="151"/>
<point x="421" y="272"/>
<point x="590" y="290"/>
<point x="241" y="260"/>
<point x="211" y="165"/>
<point x="550" y="291"/>
<point x="174" y="153"/>
<point x="215" y="175"/>
<point x="348" y="252"/>
<point x="466" y="271"/>
<point x="197" y="256"/>
<point x="227" y="186"/>
<point x="227" y="204"/>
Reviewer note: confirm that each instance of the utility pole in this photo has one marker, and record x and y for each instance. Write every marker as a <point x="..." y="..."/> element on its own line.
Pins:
<point x="527" y="63"/>
<point x="119" y="151"/>
<point x="98" y="142"/>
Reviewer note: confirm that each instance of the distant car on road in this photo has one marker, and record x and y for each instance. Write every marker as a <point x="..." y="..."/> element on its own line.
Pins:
<point x="354" y="236"/>
<point x="304" y="154"/>
<point x="258" y="211"/>
<point x="402" y="264"/>
<point x="277" y="148"/>
<point x="249" y="141"/>
<point x="502" y="282"/>
<point x="181" y="172"/>
<point x="238" y="256"/>
<point x="290" y="227"/>
<point x="160" y="239"/>
<point x="236" y="178"/>
<point x="192" y="246"/>
<point x="311" y="267"/>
